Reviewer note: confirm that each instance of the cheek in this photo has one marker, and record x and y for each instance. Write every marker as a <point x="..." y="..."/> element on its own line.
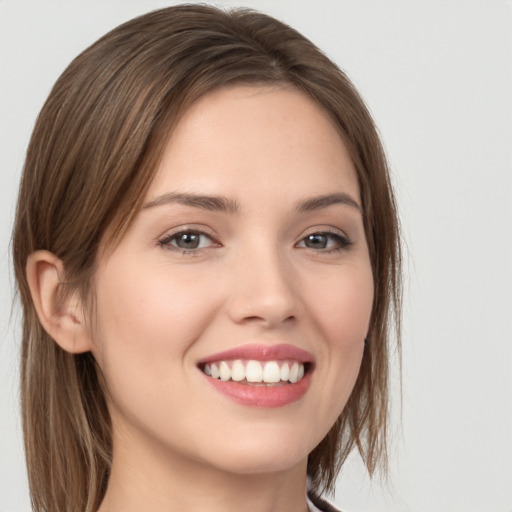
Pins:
<point x="342" y="313"/>
<point x="342" y="308"/>
<point x="146" y="325"/>
<point x="151" y="308"/>
<point x="147" y="322"/>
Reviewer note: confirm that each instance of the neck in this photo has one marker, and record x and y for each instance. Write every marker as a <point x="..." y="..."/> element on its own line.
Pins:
<point x="147" y="478"/>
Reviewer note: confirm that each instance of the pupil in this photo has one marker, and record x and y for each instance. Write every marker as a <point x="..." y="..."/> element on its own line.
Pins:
<point x="316" y="241"/>
<point x="188" y="241"/>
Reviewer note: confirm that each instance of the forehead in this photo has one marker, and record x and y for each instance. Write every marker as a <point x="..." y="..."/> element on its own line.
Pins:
<point x="255" y="138"/>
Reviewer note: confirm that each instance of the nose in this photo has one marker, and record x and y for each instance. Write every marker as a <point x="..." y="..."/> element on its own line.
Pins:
<point x="263" y="290"/>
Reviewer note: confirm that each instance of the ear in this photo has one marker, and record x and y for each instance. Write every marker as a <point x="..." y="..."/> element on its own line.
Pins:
<point x="60" y="314"/>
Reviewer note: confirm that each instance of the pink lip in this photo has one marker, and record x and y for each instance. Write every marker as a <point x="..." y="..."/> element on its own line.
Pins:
<point x="262" y="396"/>
<point x="261" y="353"/>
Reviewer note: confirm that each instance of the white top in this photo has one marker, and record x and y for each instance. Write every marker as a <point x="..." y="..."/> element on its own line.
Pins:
<point x="321" y="502"/>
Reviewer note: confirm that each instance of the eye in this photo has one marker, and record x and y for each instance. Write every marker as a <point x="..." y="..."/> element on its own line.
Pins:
<point x="325" y="241"/>
<point x="187" y="240"/>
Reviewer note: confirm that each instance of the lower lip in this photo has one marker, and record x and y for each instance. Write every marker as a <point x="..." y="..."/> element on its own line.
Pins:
<point x="262" y="396"/>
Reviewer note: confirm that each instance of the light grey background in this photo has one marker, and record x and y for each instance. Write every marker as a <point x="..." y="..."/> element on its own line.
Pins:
<point x="437" y="76"/>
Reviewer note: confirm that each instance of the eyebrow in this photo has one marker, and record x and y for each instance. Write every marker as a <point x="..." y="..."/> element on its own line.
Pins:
<point x="319" y="202"/>
<point x="209" y="203"/>
<point x="225" y="205"/>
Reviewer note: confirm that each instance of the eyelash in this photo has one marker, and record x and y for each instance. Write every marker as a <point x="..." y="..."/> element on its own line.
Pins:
<point x="342" y="242"/>
<point x="165" y="242"/>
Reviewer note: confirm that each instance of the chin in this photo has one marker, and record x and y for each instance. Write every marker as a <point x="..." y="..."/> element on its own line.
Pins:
<point x="260" y="453"/>
<point x="252" y="464"/>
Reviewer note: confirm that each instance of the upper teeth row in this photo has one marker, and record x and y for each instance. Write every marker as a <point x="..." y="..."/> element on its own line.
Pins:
<point x="254" y="371"/>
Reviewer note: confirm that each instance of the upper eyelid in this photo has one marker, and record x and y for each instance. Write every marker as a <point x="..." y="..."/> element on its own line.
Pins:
<point x="335" y="234"/>
<point x="327" y="230"/>
<point x="166" y="245"/>
<point x="203" y="230"/>
<point x="169" y="233"/>
<point x="165" y="240"/>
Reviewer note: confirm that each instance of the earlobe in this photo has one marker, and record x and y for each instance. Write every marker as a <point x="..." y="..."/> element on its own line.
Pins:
<point x="60" y="314"/>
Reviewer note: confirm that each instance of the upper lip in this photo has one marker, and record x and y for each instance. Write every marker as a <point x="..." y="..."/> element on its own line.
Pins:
<point x="261" y="353"/>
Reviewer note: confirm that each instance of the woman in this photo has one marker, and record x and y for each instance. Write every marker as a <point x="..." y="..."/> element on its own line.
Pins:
<point x="206" y="249"/>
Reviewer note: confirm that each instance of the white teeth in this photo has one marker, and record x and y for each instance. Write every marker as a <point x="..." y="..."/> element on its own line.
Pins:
<point x="254" y="371"/>
<point x="300" y="374"/>
<point x="269" y="372"/>
<point x="294" y="373"/>
<point x="238" y="371"/>
<point x="285" y="371"/>
<point x="225" y="372"/>
<point x="215" y="371"/>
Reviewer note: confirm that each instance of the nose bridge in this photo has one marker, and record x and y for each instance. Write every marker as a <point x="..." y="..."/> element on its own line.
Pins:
<point x="263" y="286"/>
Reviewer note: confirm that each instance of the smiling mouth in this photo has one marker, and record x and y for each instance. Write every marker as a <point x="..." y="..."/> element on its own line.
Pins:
<point x="257" y="373"/>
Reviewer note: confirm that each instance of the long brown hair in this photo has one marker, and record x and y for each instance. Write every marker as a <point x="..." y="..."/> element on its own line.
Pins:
<point x="91" y="158"/>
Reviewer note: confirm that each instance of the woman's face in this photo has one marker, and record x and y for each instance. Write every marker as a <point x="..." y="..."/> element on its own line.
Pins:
<point x="248" y="260"/>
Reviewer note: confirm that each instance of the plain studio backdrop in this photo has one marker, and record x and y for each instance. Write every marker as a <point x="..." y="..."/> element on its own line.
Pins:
<point x="437" y="76"/>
